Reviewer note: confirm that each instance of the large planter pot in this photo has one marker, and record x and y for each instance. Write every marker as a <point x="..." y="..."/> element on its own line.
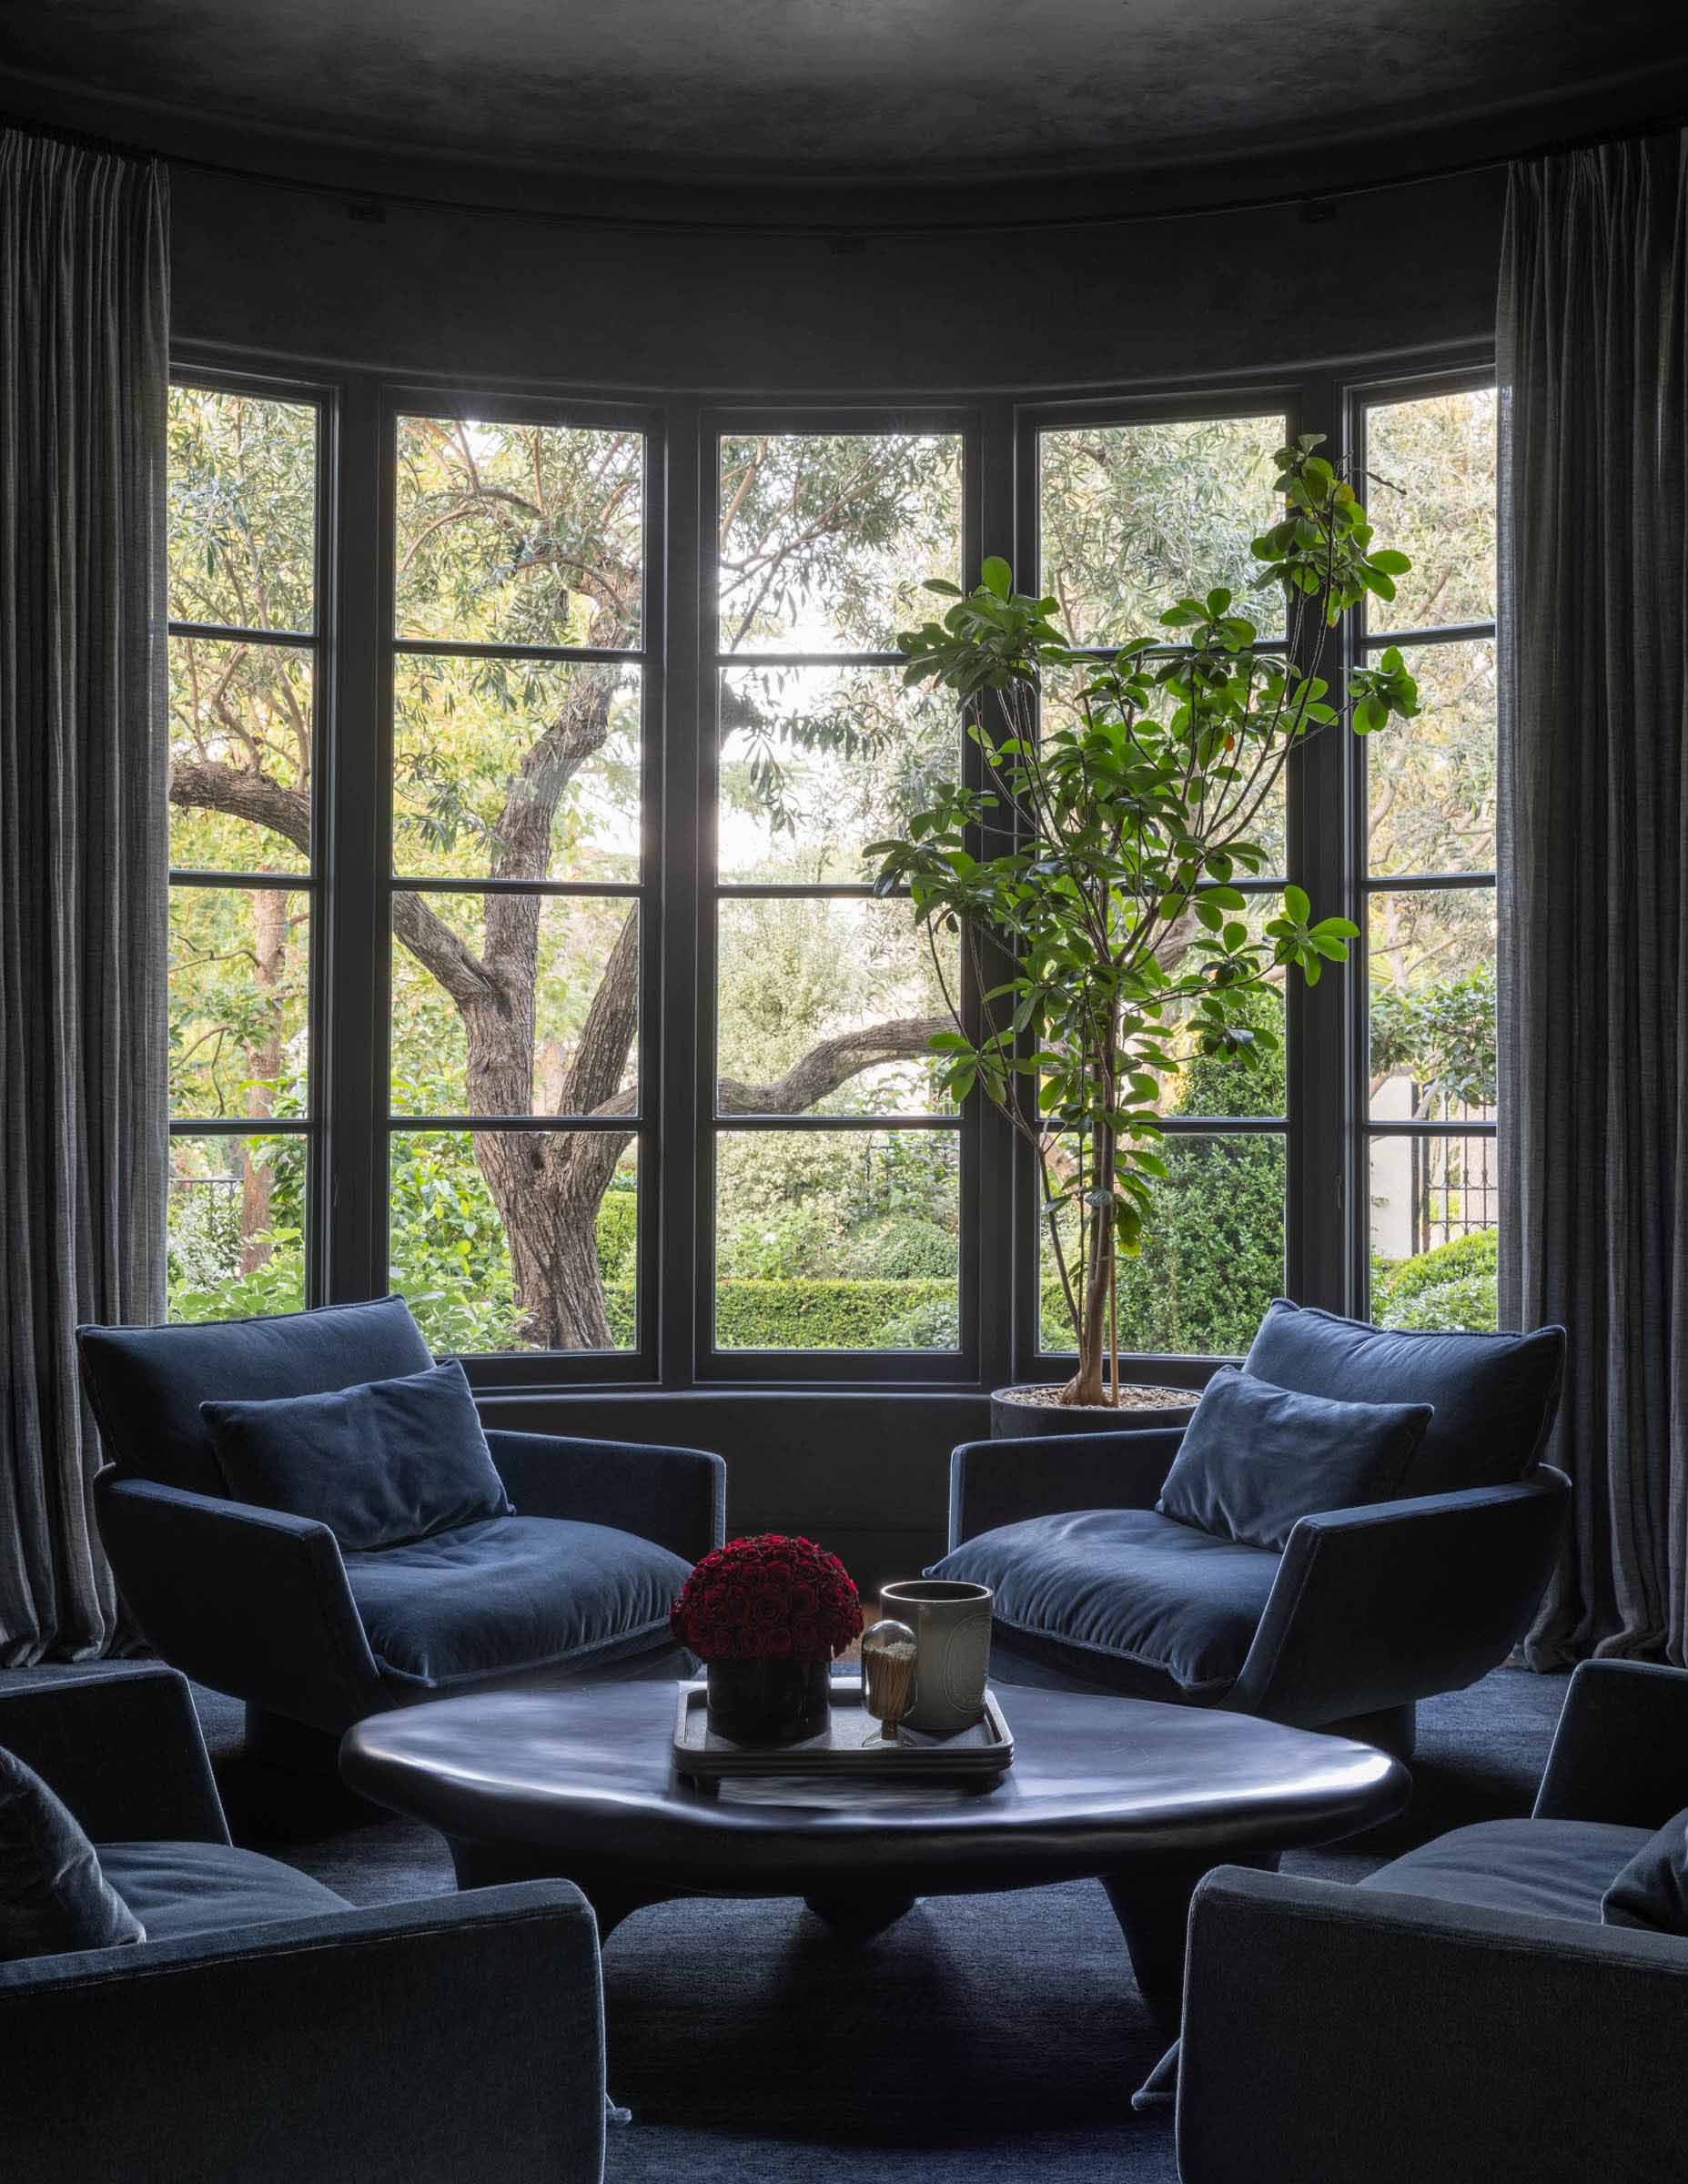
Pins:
<point x="1019" y="1411"/>
<point x="776" y="1701"/>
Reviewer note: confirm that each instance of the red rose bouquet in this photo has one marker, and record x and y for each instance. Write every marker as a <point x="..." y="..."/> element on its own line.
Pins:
<point x="768" y="1598"/>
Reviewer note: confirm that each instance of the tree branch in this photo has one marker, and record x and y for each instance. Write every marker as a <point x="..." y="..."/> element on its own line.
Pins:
<point x="830" y="1064"/>
<point x="206" y="786"/>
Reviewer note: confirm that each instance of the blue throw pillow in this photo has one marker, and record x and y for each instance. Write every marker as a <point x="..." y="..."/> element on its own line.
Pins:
<point x="382" y="1462"/>
<point x="53" y="1894"/>
<point x="1653" y="1888"/>
<point x="1255" y="1457"/>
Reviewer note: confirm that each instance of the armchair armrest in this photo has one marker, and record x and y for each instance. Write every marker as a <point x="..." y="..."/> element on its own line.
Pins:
<point x="457" y="2036"/>
<point x="677" y="1496"/>
<point x="1360" y="2037"/>
<point x="122" y="1748"/>
<point x="1621" y="1751"/>
<point x="1376" y="1607"/>
<point x="250" y="1601"/>
<point x="994" y="1482"/>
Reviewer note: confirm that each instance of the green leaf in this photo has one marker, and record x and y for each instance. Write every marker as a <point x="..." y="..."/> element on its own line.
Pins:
<point x="996" y="576"/>
<point x="1297" y="905"/>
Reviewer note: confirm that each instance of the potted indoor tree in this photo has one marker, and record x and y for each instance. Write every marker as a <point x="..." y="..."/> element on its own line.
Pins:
<point x="1092" y="871"/>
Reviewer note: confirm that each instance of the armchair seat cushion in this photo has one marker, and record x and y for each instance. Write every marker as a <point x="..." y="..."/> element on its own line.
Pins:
<point x="1548" y="1868"/>
<point x="1127" y="1585"/>
<point x="177" y="1888"/>
<point x="512" y="1593"/>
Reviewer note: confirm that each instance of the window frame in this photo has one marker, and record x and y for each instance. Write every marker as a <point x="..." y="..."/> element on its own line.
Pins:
<point x="1453" y="377"/>
<point x="398" y="399"/>
<point x="1326" y="1130"/>
<point x="1184" y="405"/>
<point x="880" y="1367"/>
<point x="320" y="646"/>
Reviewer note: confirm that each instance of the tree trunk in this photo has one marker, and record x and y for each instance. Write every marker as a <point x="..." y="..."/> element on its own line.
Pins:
<point x="263" y="1066"/>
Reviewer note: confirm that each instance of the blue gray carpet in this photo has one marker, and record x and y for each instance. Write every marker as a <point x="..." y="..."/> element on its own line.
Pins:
<point x="980" y="2040"/>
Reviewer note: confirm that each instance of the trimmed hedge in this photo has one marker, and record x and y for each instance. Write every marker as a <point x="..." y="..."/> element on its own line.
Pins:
<point x="806" y="1315"/>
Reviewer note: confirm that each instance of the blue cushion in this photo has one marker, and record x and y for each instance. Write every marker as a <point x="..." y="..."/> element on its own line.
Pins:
<point x="146" y="1383"/>
<point x="381" y="1462"/>
<point x="1653" y="1888"/>
<point x="1127" y="1585"/>
<point x="1550" y="1868"/>
<point x="53" y="1894"/>
<point x="1255" y="1457"/>
<point x="181" y="1888"/>
<point x="512" y="1593"/>
<point x="1494" y="1396"/>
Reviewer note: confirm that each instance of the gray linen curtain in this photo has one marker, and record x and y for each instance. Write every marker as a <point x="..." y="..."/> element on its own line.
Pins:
<point x="1594" y="863"/>
<point x="84" y="843"/>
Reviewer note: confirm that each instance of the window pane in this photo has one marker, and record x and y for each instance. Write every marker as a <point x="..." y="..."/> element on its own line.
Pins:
<point x="515" y="769"/>
<point x="240" y="756"/>
<point x="239" y="972"/>
<point x="826" y="538"/>
<point x="1435" y="1206"/>
<point x="1212" y="1258"/>
<point x="235" y="1212"/>
<point x="243" y="509"/>
<point x="837" y="1240"/>
<point x="486" y="1242"/>
<point x="817" y="762"/>
<point x="532" y="971"/>
<point x="1430" y="782"/>
<point x="1134" y="516"/>
<point x="1432" y="493"/>
<point x="799" y="978"/>
<point x="519" y="534"/>
<point x="1432" y="997"/>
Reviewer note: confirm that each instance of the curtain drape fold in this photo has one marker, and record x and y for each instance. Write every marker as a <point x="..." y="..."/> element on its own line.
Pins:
<point x="1594" y="858"/>
<point x="83" y="841"/>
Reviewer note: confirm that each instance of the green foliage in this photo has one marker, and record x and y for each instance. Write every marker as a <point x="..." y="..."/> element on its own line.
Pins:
<point x="1443" y="1033"/>
<point x="1212" y="1256"/>
<point x="206" y="1238"/>
<point x="1452" y="1286"/>
<point x="808" y="1314"/>
<point x="1127" y="823"/>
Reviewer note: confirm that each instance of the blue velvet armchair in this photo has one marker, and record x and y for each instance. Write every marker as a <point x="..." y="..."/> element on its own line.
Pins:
<point x="1463" y="2013"/>
<point x="266" y="1606"/>
<point x="266" y="2031"/>
<point x="1367" y="1611"/>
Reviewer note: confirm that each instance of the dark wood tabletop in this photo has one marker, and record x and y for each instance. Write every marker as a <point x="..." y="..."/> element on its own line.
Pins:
<point x="580" y="1783"/>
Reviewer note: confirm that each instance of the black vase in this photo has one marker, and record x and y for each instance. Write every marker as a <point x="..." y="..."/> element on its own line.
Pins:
<point x="776" y="1701"/>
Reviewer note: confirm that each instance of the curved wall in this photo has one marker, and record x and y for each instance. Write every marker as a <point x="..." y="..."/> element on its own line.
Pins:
<point x="415" y="291"/>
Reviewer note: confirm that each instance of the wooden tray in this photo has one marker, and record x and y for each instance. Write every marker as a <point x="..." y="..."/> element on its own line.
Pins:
<point x="850" y="1748"/>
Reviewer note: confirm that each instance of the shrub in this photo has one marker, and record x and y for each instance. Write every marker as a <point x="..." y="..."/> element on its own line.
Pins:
<point x="1451" y="1287"/>
<point x="816" y="1315"/>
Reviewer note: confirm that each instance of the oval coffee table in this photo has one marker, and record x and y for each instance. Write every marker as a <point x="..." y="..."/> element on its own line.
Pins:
<point x="579" y="1782"/>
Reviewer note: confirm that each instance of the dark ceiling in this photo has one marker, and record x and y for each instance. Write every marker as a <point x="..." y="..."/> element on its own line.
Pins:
<point x="840" y="93"/>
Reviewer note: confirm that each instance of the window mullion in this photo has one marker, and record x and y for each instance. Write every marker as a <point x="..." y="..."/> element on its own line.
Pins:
<point x="356" y="833"/>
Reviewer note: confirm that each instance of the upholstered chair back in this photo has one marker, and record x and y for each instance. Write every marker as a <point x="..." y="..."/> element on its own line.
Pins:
<point x="146" y="1384"/>
<point x="1495" y="1395"/>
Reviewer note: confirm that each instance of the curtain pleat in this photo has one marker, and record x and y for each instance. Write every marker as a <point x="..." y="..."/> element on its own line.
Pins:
<point x="84" y="843"/>
<point x="1593" y="863"/>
